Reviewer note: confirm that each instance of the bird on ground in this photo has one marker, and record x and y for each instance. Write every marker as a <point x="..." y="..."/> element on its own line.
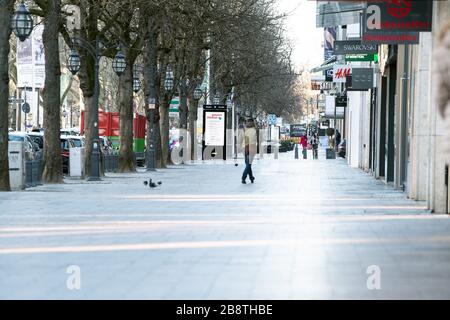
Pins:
<point x="151" y="184"/>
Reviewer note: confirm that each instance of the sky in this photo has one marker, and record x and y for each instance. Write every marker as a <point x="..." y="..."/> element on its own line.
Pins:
<point x="301" y="30"/>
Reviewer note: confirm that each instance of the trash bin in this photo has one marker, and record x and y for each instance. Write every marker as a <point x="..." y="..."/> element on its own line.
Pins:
<point x="76" y="162"/>
<point x="16" y="165"/>
<point x="331" y="154"/>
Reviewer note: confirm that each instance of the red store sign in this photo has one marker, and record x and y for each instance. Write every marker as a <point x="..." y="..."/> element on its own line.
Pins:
<point x="399" y="16"/>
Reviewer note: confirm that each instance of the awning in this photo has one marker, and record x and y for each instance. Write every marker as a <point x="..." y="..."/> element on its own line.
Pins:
<point x="327" y="65"/>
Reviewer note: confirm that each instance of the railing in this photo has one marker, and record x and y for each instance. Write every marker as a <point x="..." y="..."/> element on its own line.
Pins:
<point x="34" y="169"/>
<point x="33" y="173"/>
<point x="112" y="161"/>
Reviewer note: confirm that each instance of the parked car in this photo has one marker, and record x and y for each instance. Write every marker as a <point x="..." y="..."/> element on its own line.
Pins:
<point x="66" y="145"/>
<point x="78" y="141"/>
<point x="342" y="149"/>
<point x="30" y="147"/>
<point x="70" y="132"/>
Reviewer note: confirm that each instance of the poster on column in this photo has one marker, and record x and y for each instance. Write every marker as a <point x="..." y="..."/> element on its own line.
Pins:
<point x="31" y="60"/>
<point x="39" y="57"/>
<point x="24" y="59"/>
<point x="214" y="129"/>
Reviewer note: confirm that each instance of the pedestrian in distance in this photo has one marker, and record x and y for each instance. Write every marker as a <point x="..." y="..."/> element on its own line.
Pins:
<point x="338" y="138"/>
<point x="314" y="142"/>
<point x="249" y="145"/>
<point x="304" y="144"/>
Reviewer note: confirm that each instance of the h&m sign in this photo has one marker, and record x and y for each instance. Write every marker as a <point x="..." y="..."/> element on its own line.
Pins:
<point x="341" y="72"/>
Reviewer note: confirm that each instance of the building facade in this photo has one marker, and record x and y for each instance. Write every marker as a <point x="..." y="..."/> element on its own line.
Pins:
<point x="395" y="131"/>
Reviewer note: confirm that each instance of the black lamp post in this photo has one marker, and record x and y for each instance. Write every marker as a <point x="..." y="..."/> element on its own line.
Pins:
<point x="74" y="64"/>
<point x="22" y="22"/>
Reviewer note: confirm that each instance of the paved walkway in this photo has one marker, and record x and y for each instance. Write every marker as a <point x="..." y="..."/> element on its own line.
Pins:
<point x="305" y="230"/>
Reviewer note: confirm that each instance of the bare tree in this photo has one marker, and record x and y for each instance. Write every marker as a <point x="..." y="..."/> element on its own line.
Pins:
<point x="52" y="145"/>
<point x="6" y="10"/>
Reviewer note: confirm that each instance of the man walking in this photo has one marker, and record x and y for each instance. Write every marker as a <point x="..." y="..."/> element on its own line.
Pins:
<point x="314" y="142"/>
<point x="250" y="142"/>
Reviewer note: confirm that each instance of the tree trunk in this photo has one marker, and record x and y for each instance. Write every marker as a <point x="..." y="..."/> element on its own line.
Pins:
<point x="193" y="117"/>
<point x="164" y="127"/>
<point x="86" y="76"/>
<point x="126" y="159"/>
<point x="6" y="11"/>
<point x="183" y="110"/>
<point x="160" y="164"/>
<point x="151" y="79"/>
<point x="53" y="172"/>
<point x="88" y="134"/>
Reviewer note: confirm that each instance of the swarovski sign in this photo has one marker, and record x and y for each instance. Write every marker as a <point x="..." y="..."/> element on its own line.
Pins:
<point x="354" y="47"/>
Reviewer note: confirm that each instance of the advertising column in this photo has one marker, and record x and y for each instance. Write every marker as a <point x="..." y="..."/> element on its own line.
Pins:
<point x="214" y="128"/>
<point x="31" y="74"/>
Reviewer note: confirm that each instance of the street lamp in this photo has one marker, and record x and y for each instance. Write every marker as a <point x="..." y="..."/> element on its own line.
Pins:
<point x="119" y="63"/>
<point x="74" y="64"/>
<point x="169" y="81"/>
<point x="22" y="22"/>
<point x="198" y="93"/>
<point x="136" y="83"/>
<point x="216" y="99"/>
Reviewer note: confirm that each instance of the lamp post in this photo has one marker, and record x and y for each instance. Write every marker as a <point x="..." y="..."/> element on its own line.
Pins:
<point x="22" y="22"/>
<point x="22" y="26"/>
<point x="74" y="64"/>
<point x="197" y="95"/>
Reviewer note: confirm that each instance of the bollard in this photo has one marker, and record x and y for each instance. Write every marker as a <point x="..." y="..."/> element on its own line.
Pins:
<point x="296" y="151"/>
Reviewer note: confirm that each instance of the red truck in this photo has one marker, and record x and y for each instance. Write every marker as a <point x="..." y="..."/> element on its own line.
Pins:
<point x="109" y="126"/>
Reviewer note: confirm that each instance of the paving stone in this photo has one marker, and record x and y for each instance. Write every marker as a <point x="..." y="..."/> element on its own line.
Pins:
<point x="305" y="230"/>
